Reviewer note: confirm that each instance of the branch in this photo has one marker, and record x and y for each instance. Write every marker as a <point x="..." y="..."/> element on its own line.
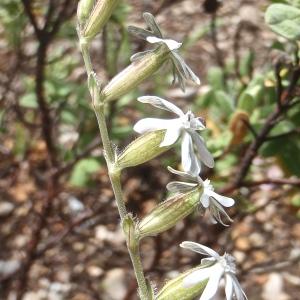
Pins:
<point x="261" y="137"/>
<point x="28" y="11"/>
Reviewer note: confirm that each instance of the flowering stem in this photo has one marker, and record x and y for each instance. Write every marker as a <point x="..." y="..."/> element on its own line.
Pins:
<point x="114" y="173"/>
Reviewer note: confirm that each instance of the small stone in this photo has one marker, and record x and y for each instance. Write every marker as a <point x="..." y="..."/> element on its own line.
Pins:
<point x="95" y="271"/>
<point x="257" y="240"/>
<point x="114" y="284"/>
<point x="274" y="288"/>
<point x="6" y="208"/>
<point x="243" y="244"/>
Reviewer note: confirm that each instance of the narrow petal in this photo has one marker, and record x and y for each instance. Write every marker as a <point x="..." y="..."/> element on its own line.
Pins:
<point x="238" y="291"/>
<point x="182" y="174"/>
<point x="213" y="283"/>
<point x="150" y="21"/>
<point x="180" y="187"/>
<point x="139" y="32"/>
<point x="197" y="124"/>
<point x="228" y="287"/>
<point x="196" y="277"/>
<point x="200" y="249"/>
<point x="162" y="104"/>
<point x="189" y="160"/>
<point x="204" y="154"/>
<point x="204" y="200"/>
<point x="185" y="69"/>
<point x="152" y="124"/>
<point x="140" y="55"/>
<point x="171" y="136"/>
<point x="225" y="201"/>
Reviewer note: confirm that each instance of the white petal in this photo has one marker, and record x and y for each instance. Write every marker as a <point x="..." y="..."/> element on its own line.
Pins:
<point x="204" y="199"/>
<point x="179" y="186"/>
<point x="199" y="248"/>
<point x="196" y="277"/>
<point x="171" y="136"/>
<point x="228" y="287"/>
<point x="182" y="174"/>
<point x="204" y="154"/>
<point x="171" y="44"/>
<point x="152" y="124"/>
<point x="189" y="160"/>
<point x="162" y="104"/>
<point x="225" y="201"/>
<point x="213" y="283"/>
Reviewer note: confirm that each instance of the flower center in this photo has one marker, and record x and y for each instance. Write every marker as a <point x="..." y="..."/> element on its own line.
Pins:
<point x="187" y="120"/>
<point x="207" y="186"/>
<point x="228" y="263"/>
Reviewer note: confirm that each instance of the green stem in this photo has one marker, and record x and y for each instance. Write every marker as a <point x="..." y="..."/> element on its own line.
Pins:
<point x="114" y="174"/>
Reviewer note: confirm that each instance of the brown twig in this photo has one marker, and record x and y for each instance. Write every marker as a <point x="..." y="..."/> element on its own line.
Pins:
<point x="262" y="135"/>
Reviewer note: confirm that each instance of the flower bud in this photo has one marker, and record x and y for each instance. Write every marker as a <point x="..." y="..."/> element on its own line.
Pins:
<point x="169" y="212"/>
<point x="143" y="149"/>
<point x="98" y="18"/>
<point x="84" y="10"/>
<point x="135" y="73"/>
<point x="175" y="290"/>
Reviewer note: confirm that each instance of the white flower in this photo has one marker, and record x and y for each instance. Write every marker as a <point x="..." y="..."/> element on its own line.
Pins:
<point x="209" y="199"/>
<point x="218" y="267"/>
<point x="184" y="125"/>
<point x="181" y="71"/>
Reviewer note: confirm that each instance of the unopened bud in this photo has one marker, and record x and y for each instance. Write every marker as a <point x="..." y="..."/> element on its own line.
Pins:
<point x="143" y="149"/>
<point x="84" y="10"/>
<point x="98" y="18"/>
<point x="135" y="73"/>
<point x="168" y="213"/>
<point x="175" y="290"/>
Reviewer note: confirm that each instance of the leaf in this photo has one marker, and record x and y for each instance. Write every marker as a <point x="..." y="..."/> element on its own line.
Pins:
<point x="286" y="149"/>
<point x="82" y="171"/>
<point x="28" y="100"/>
<point x="251" y="95"/>
<point x="284" y="20"/>
<point x="216" y="78"/>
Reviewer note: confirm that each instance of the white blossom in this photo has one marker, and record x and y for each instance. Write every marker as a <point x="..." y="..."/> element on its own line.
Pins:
<point x="186" y="126"/>
<point x="218" y="267"/>
<point x="181" y="71"/>
<point x="209" y="199"/>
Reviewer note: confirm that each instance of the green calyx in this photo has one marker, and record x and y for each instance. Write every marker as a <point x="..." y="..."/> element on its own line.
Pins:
<point x="174" y="289"/>
<point x="141" y="150"/>
<point x="135" y="73"/>
<point x="99" y="16"/>
<point x="168" y="213"/>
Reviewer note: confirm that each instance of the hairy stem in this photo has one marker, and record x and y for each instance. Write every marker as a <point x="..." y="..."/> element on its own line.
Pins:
<point x="114" y="173"/>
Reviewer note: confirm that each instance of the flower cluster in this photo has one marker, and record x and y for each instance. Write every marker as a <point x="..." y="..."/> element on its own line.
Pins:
<point x="181" y="71"/>
<point x="193" y="189"/>
<point x="186" y="126"/>
<point x="209" y="199"/>
<point x="216" y="267"/>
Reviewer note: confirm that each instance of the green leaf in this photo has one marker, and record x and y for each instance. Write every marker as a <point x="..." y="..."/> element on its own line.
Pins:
<point x="296" y="200"/>
<point x="284" y="20"/>
<point x="251" y="95"/>
<point x="287" y="150"/>
<point x="29" y="101"/>
<point x="216" y="78"/>
<point x="82" y="171"/>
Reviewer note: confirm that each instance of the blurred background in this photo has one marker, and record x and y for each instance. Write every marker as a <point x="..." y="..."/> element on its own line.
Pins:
<point x="60" y="235"/>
